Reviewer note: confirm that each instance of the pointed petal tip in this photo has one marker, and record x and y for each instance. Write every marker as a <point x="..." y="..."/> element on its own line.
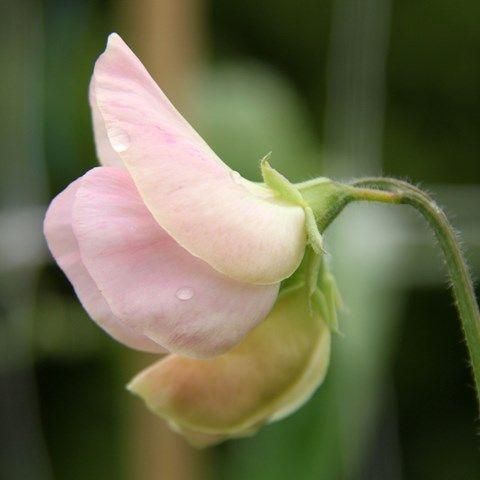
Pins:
<point x="113" y="38"/>
<point x="130" y="386"/>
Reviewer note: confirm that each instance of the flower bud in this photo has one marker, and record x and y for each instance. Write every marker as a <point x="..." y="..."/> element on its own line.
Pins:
<point x="269" y="375"/>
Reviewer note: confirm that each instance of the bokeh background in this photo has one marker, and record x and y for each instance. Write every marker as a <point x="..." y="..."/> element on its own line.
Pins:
<point x="343" y="88"/>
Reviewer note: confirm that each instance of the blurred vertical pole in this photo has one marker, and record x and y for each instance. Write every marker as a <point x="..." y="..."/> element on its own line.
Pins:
<point x="366" y="260"/>
<point x="23" y="453"/>
<point x="356" y="86"/>
<point x="167" y="35"/>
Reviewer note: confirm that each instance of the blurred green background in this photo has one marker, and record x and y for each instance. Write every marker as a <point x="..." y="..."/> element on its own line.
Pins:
<point x="332" y="87"/>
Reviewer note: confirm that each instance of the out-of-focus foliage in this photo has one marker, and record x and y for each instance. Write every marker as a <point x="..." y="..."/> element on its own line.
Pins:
<point x="246" y="111"/>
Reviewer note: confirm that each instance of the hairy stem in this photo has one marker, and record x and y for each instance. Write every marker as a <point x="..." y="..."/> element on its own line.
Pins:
<point x="387" y="190"/>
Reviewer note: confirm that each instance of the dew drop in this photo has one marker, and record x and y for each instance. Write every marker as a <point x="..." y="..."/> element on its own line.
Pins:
<point x="236" y="177"/>
<point x="184" y="293"/>
<point x="119" y="139"/>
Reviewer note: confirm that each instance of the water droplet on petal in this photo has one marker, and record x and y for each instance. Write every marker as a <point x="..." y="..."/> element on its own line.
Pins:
<point x="119" y="139"/>
<point x="236" y="177"/>
<point x="184" y="293"/>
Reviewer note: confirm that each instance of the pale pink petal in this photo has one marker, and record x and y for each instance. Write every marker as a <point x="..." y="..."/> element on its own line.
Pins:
<point x="105" y="153"/>
<point x="240" y="228"/>
<point x="64" y="247"/>
<point x="150" y="281"/>
<point x="271" y="373"/>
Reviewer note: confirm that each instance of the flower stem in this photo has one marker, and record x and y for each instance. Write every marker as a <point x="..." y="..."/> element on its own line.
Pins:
<point x="387" y="190"/>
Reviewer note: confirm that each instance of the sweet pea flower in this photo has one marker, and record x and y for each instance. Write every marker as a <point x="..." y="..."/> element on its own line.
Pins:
<point x="168" y="249"/>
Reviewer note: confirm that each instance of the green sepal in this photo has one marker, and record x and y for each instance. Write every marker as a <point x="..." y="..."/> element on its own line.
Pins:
<point x="288" y="192"/>
<point x="313" y="234"/>
<point x="280" y="184"/>
<point x="321" y="291"/>
<point x="319" y="303"/>
<point x="336" y="298"/>
<point x="320" y="200"/>
<point x="326" y="198"/>
<point x="314" y="265"/>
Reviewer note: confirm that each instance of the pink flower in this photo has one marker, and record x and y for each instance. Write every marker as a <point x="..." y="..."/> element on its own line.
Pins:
<point x="168" y="249"/>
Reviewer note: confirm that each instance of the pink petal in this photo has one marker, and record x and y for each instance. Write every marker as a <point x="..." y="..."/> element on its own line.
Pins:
<point x="64" y="247"/>
<point x="240" y="228"/>
<point x="150" y="281"/>
<point x="105" y="153"/>
<point x="270" y="374"/>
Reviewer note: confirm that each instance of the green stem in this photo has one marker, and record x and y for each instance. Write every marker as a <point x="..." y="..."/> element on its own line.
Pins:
<point x="400" y="192"/>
